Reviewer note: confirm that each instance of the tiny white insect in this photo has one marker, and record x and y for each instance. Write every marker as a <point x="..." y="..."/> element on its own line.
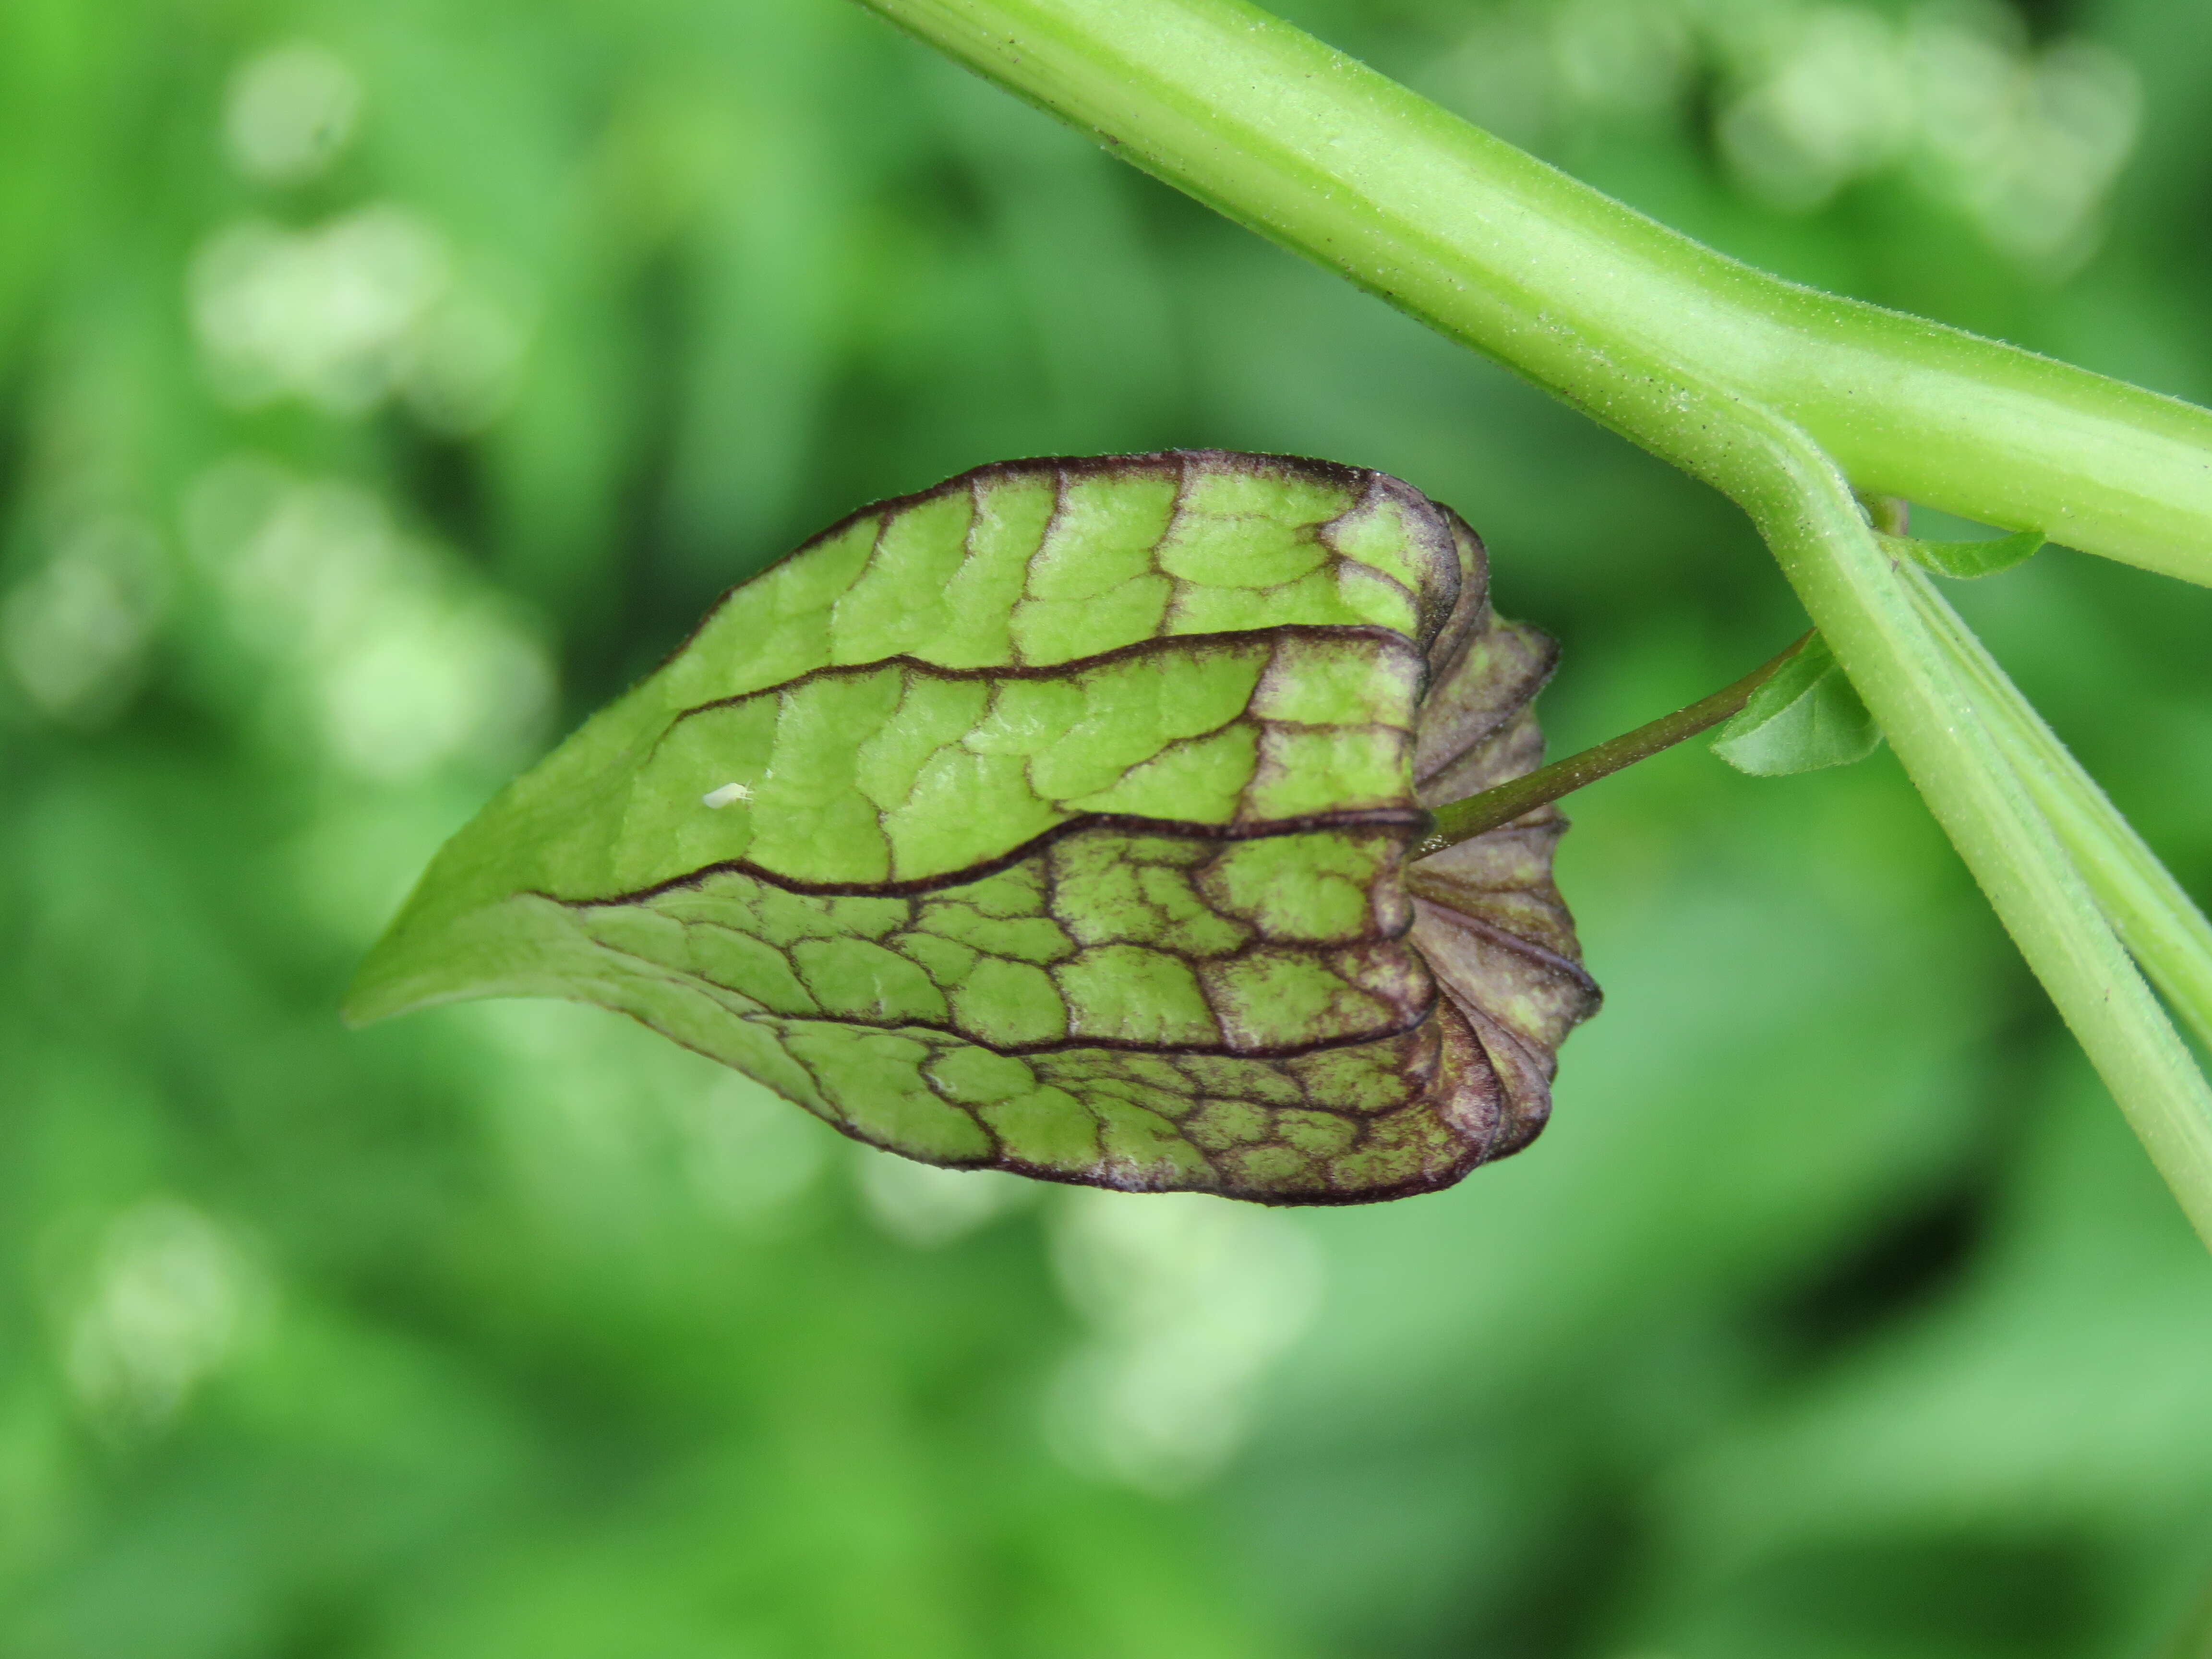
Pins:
<point x="726" y="795"/>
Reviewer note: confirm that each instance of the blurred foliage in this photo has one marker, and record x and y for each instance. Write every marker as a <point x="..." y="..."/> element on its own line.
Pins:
<point x="382" y="386"/>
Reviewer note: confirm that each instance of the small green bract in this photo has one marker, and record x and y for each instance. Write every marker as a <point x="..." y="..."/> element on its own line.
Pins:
<point x="1964" y="561"/>
<point x="1804" y="717"/>
<point x="1056" y="819"/>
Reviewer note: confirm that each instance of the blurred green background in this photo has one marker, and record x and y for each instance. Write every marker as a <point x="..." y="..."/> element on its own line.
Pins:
<point x="383" y="385"/>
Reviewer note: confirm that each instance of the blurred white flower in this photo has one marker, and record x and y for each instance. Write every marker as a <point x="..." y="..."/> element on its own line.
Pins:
<point x="923" y="1205"/>
<point x="1189" y="1299"/>
<point x="288" y="112"/>
<point x="1835" y="106"/>
<point x="425" y="680"/>
<point x="400" y="664"/>
<point x="346" y="315"/>
<point x="2029" y="145"/>
<point x="74" y="632"/>
<point x="1619" y="54"/>
<point x="299" y="560"/>
<point x="462" y="363"/>
<point x="614" y="1129"/>
<point x="2026" y="142"/>
<point x="169" y="1296"/>
<point x="748" y="1152"/>
<point x="324" y="315"/>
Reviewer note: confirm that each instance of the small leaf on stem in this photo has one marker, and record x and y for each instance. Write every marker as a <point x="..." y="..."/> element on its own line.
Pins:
<point x="1805" y="717"/>
<point x="1963" y="560"/>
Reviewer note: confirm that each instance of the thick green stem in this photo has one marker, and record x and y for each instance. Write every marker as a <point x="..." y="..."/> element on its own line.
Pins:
<point x="1462" y="820"/>
<point x="1580" y="294"/>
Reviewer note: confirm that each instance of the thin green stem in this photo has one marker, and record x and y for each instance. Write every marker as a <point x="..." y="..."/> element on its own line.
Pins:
<point x="1462" y="820"/>
<point x="1934" y="706"/>
<point x="2156" y="919"/>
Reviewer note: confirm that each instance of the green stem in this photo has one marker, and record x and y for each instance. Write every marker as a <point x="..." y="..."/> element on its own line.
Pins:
<point x="1462" y="820"/>
<point x="1582" y="295"/>
<point x="2156" y="919"/>
<point x="1934" y="708"/>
